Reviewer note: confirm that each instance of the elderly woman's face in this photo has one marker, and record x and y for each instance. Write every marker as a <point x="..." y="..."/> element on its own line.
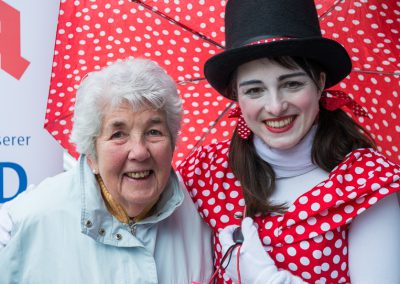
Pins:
<point x="134" y="154"/>
<point x="278" y="104"/>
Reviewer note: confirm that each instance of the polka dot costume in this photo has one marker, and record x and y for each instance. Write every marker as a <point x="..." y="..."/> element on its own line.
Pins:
<point x="182" y="34"/>
<point x="310" y="238"/>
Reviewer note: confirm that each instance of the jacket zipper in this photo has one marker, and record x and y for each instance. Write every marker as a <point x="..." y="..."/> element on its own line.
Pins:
<point x="132" y="227"/>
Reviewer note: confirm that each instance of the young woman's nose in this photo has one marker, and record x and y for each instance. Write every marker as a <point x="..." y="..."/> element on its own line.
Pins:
<point x="138" y="149"/>
<point x="275" y="104"/>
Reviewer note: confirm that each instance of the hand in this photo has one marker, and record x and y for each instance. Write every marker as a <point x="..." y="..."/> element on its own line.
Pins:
<point x="256" y="266"/>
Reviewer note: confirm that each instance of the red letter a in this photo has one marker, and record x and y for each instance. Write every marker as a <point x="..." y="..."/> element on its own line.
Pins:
<point x="10" y="42"/>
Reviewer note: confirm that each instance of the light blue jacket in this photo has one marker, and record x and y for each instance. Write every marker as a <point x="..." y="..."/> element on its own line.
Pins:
<point x="63" y="233"/>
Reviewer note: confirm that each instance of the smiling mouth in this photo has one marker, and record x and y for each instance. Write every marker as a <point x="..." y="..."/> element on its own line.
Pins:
<point x="281" y="123"/>
<point x="139" y="175"/>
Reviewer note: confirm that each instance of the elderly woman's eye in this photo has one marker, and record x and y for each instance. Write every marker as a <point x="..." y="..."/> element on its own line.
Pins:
<point x="154" y="132"/>
<point x="117" y="135"/>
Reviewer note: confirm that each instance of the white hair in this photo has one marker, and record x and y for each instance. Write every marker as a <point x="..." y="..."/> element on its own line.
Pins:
<point x="141" y="82"/>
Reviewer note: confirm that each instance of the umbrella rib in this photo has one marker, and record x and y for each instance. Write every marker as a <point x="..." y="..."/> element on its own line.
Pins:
<point x="208" y="131"/>
<point x="165" y="16"/>
<point x="190" y="81"/>
<point x="331" y="8"/>
<point x="377" y="72"/>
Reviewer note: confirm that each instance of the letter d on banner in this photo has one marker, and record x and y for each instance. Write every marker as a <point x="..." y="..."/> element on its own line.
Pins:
<point x="23" y="181"/>
<point x="11" y="60"/>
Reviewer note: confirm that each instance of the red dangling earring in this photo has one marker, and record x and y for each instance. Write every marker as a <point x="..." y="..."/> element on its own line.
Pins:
<point x="242" y="129"/>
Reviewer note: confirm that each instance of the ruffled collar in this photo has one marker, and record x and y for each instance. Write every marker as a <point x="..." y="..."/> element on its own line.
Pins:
<point x="289" y="162"/>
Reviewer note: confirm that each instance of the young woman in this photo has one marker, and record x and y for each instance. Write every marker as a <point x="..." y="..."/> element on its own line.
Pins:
<point x="321" y="202"/>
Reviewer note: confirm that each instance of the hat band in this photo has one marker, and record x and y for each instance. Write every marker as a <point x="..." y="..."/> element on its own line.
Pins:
<point x="268" y="40"/>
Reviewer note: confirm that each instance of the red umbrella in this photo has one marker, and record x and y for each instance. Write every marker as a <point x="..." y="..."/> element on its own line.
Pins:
<point x="181" y="35"/>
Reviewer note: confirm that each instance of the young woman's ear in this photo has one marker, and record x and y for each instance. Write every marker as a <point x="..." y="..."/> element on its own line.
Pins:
<point x="322" y="81"/>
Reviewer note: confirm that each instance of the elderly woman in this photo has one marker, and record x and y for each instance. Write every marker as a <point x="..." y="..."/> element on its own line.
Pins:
<point x="120" y="215"/>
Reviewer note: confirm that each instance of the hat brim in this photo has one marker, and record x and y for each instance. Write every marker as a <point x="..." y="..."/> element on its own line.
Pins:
<point x="331" y="55"/>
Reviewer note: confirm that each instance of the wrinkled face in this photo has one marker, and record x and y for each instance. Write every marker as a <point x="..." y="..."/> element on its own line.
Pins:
<point x="134" y="154"/>
<point x="278" y="104"/>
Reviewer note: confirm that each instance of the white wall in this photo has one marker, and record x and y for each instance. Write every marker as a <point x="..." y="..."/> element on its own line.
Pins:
<point x="23" y="100"/>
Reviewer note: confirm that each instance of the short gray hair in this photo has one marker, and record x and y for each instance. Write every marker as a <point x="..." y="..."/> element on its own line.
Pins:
<point x="141" y="82"/>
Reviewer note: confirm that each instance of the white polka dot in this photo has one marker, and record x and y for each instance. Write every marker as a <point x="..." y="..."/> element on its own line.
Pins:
<point x="325" y="227"/>
<point x="267" y="240"/>
<point x="221" y="196"/>
<point x="289" y="239"/>
<point x="268" y="225"/>
<point x="306" y="275"/>
<point x="305" y="245"/>
<point x="328" y="198"/>
<point x="327" y="251"/>
<point x="325" y="266"/>
<point x="337" y="218"/>
<point x="303" y="215"/>
<point x="349" y="209"/>
<point x="338" y="243"/>
<point x="217" y="209"/>
<point x="292" y="266"/>
<point x="290" y="222"/>
<point x="224" y="219"/>
<point x="303" y="200"/>
<point x="315" y="206"/>
<point x="336" y="259"/>
<point x="280" y="257"/>
<point x="312" y="221"/>
<point x="317" y="254"/>
<point x="291" y="251"/>
<point x="300" y="229"/>
<point x="304" y="260"/>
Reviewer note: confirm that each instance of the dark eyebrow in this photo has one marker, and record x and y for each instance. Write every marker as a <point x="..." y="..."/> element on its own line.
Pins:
<point x="155" y="120"/>
<point x="250" y="82"/>
<point x="117" y="124"/>
<point x="283" y="77"/>
<point x="280" y="78"/>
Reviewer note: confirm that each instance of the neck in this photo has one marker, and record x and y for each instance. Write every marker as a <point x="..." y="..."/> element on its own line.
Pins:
<point x="116" y="209"/>
<point x="289" y="162"/>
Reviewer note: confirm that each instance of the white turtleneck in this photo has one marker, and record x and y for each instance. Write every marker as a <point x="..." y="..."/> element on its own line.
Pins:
<point x="296" y="173"/>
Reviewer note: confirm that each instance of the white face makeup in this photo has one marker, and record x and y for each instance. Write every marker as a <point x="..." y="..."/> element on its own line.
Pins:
<point x="279" y="104"/>
<point x="134" y="153"/>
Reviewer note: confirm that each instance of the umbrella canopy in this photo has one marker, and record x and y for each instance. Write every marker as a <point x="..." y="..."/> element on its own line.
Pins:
<point x="182" y="35"/>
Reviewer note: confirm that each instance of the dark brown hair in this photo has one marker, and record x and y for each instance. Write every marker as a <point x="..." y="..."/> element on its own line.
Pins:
<point x="337" y="135"/>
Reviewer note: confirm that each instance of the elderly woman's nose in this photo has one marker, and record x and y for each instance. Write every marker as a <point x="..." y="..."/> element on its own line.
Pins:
<point x="138" y="149"/>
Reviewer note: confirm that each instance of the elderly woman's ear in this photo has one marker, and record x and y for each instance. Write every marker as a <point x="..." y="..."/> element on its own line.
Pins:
<point x="92" y="164"/>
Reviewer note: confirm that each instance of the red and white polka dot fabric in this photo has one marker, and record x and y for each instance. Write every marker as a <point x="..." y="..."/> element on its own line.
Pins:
<point x="310" y="239"/>
<point x="181" y="35"/>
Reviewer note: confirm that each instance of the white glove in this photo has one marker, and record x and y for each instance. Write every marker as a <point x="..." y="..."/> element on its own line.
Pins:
<point x="256" y="266"/>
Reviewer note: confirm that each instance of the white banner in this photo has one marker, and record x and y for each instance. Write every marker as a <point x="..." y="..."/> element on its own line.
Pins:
<point x="28" y="153"/>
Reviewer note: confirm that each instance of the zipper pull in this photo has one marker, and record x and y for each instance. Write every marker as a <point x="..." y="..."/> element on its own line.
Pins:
<point x="132" y="227"/>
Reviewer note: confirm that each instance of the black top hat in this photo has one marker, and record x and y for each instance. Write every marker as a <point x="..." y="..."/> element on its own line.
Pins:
<point x="270" y="28"/>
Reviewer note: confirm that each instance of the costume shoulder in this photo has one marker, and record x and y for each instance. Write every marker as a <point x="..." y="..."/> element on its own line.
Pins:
<point x="204" y="157"/>
<point x="362" y="179"/>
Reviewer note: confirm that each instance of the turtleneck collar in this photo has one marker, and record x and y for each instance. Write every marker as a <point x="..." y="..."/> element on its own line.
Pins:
<point x="289" y="162"/>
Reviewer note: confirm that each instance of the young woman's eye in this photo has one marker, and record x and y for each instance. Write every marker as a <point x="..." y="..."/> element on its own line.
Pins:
<point x="253" y="91"/>
<point x="293" y="84"/>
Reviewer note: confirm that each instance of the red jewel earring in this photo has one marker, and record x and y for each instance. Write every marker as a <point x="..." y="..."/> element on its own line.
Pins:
<point x="242" y="129"/>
